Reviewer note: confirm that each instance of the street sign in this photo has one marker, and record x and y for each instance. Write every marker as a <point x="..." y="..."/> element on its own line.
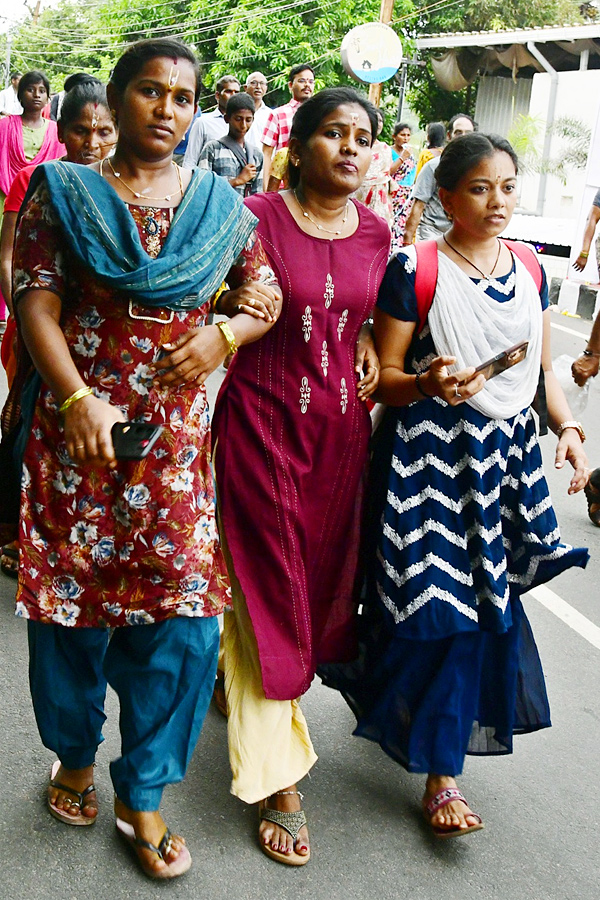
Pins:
<point x="371" y="53"/>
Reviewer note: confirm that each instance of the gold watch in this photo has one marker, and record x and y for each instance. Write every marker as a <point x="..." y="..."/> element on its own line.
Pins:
<point x="576" y="425"/>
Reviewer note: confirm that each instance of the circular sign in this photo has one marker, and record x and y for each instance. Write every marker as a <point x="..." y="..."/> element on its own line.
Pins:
<point x="371" y="53"/>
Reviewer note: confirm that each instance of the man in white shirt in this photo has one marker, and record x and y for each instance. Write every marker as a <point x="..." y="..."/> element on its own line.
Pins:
<point x="210" y="126"/>
<point x="256" y="86"/>
<point x="9" y="103"/>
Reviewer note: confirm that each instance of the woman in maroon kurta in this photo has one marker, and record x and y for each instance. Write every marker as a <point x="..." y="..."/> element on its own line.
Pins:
<point x="292" y="431"/>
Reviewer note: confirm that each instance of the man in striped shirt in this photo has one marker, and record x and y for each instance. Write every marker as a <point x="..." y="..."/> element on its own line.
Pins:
<point x="279" y="124"/>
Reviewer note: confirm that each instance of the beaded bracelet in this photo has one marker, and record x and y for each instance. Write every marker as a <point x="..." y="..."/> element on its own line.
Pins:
<point x="77" y="395"/>
<point x="228" y="335"/>
<point x="420" y="389"/>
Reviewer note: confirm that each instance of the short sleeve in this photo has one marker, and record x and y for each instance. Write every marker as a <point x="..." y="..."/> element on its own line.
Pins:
<point x="271" y="130"/>
<point x="207" y="156"/>
<point x="424" y="186"/>
<point x="280" y="163"/>
<point x="18" y="189"/>
<point x="397" y="295"/>
<point x="544" y="295"/>
<point x="251" y="265"/>
<point x="38" y="254"/>
<point x="597" y="199"/>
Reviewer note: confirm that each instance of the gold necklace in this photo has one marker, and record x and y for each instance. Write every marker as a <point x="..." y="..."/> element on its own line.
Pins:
<point x="316" y="224"/>
<point x="142" y="195"/>
<point x="466" y="259"/>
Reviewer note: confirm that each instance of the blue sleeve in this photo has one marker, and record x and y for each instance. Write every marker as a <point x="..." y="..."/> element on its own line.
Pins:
<point x="596" y="199"/>
<point x="544" y="291"/>
<point x="397" y="295"/>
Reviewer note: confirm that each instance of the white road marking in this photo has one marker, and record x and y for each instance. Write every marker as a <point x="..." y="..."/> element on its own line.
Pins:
<point x="584" y="337"/>
<point x="567" y="614"/>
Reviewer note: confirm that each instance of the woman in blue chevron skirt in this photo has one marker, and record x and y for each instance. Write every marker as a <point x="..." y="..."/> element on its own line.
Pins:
<point x="463" y="520"/>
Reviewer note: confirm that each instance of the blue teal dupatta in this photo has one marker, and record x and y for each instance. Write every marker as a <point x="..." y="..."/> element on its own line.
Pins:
<point x="209" y="229"/>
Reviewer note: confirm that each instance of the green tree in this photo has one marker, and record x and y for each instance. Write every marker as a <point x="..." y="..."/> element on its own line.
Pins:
<point x="228" y="35"/>
<point x="273" y="39"/>
<point x="63" y="41"/>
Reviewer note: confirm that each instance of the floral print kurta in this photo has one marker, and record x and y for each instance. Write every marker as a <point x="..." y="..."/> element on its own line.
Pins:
<point x="137" y="544"/>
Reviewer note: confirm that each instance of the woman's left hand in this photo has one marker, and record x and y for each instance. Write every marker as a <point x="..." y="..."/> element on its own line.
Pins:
<point x="570" y="448"/>
<point x="366" y="364"/>
<point x="191" y="358"/>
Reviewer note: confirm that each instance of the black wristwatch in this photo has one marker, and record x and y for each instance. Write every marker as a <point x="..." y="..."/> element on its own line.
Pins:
<point x="587" y="352"/>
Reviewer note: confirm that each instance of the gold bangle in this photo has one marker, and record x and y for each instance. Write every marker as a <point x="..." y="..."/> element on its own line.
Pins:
<point x="585" y="253"/>
<point x="217" y="297"/>
<point x="228" y="335"/>
<point x="77" y="395"/>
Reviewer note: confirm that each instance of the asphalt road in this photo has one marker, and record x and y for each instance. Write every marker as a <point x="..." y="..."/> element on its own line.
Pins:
<point x="368" y="840"/>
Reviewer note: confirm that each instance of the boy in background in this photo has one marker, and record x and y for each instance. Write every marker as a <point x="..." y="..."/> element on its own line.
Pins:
<point x="231" y="156"/>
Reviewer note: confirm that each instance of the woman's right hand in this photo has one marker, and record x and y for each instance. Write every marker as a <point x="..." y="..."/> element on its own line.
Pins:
<point x="87" y="425"/>
<point x="581" y="262"/>
<point x="454" y="388"/>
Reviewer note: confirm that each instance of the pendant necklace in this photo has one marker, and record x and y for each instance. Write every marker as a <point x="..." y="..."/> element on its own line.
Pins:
<point x="141" y="195"/>
<point x="466" y="259"/>
<point x="317" y="224"/>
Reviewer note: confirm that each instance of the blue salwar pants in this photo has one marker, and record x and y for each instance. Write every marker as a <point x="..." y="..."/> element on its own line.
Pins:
<point x="164" y="676"/>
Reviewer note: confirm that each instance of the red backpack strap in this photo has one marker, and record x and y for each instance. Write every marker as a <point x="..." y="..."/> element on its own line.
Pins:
<point x="425" y="278"/>
<point x="529" y="260"/>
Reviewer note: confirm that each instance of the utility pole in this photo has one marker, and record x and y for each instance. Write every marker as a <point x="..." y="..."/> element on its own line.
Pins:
<point x="385" y="16"/>
<point x="36" y="12"/>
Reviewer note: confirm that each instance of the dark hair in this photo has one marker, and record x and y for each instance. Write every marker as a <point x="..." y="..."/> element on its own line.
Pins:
<point x="295" y="70"/>
<point x="136" y="56"/>
<point x="461" y="116"/>
<point x="467" y="151"/>
<point x="28" y="79"/>
<point x="223" y="80"/>
<point x="311" y="113"/>
<point x="78" y="97"/>
<point x="14" y="75"/>
<point x="436" y="134"/>
<point x="241" y="100"/>
<point x="79" y="78"/>
<point x="400" y="126"/>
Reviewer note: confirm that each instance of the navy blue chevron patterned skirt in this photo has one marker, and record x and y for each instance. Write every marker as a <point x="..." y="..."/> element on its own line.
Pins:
<point x="462" y="525"/>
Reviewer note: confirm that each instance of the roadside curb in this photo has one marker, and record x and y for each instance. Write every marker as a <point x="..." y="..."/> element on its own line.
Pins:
<point x="573" y="298"/>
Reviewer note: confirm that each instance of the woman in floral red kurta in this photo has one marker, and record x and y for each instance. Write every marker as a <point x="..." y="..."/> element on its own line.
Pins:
<point x="88" y="534"/>
<point x="111" y="300"/>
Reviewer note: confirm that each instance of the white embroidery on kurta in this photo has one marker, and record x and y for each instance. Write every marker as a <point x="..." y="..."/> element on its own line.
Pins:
<point x="304" y="394"/>
<point x="307" y="323"/>
<point x="324" y="359"/>
<point x="329" y="291"/>
<point x="343" y="395"/>
<point x="342" y="324"/>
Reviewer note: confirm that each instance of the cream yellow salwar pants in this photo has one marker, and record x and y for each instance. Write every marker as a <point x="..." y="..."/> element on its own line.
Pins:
<point x="269" y="744"/>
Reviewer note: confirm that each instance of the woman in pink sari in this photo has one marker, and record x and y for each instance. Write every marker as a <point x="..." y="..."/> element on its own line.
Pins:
<point x="26" y="138"/>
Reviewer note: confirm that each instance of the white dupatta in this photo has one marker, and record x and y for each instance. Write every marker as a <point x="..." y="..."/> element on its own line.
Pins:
<point x="467" y="323"/>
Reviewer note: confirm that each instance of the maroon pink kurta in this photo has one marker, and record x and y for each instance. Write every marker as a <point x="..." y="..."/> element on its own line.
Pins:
<point x="292" y="451"/>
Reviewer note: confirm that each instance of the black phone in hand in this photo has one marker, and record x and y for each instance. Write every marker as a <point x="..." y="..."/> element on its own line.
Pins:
<point x="134" y="440"/>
